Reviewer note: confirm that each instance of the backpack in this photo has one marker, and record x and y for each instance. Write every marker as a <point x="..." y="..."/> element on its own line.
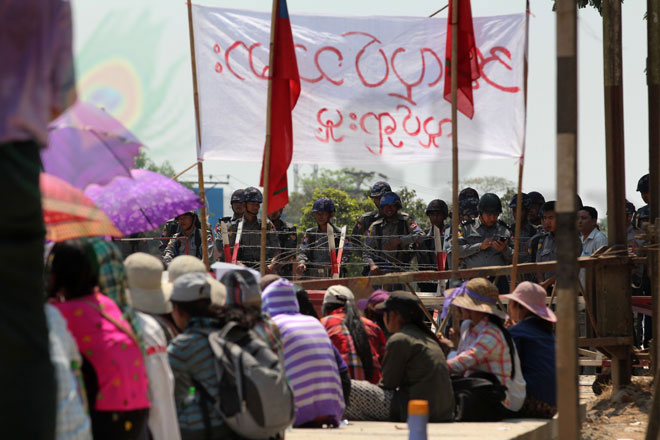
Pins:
<point x="254" y="397"/>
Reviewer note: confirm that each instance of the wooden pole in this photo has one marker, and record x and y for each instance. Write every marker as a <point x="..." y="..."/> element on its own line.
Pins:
<point x="567" y="252"/>
<point x="266" y="166"/>
<point x="615" y="159"/>
<point x="614" y="133"/>
<point x="521" y="164"/>
<point x="653" y="82"/>
<point x="454" y="138"/>
<point x="200" y="168"/>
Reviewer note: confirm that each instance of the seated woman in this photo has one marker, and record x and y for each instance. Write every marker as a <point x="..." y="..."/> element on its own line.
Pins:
<point x="360" y="342"/>
<point x="309" y="359"/>
<point x="491" y="386"/>
<point x="535" y="342"/>
<point x="114" y="282"/>
<point x="414" y="367"/>
<point x="113" y="364"/>
<point x="368" y="307"/>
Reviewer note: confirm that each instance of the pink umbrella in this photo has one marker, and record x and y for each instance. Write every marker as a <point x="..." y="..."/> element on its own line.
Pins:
<point x="143" y="202"/>
<point x="86" y="145"/>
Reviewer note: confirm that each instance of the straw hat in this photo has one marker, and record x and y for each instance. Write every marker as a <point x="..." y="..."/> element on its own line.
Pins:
<point x="478" y="294"/>
<point x="144" y="274"/>
<point x="532" y="297"/>
<point x="188" y="264"/>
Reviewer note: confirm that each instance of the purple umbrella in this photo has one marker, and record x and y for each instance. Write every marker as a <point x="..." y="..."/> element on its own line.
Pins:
<point x="143" y="202"/>
<point x="86" y="145"/>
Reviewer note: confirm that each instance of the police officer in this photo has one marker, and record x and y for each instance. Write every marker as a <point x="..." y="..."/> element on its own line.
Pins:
<point x="546" y="247"/>
<point x="188" y="239"/>
<point x="377" y="190"/>
<point x="643" y="214"/>
<point x="535" y="201"/>
<point x="364" y="222"/>
<point x="288" y="240"/>
<point x="468" y="200"/>
<point x="238" y="209"/>
<point x="437" y="212"/>
<point x="314" y="253"/>
<point x="249" y="251"/>
<point x="527" y="230"/>
<point x="390" y="239"/>
<point x="485" y="240"/>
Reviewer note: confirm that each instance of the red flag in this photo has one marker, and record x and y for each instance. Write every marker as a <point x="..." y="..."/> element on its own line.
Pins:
<point x="284" y="95"/>
<point x="467" y="67"/>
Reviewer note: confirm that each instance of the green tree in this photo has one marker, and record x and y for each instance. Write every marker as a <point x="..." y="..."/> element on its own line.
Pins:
<point x="143" y="162"/>
<point x="355" y="184"/>
<point x="414" y="207"/>
<point x="489" y="184"/>
<point x="348" y="209"/>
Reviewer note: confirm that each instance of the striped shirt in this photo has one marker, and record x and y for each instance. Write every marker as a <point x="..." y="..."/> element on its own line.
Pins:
<point x="309" y="357"/>
<point x="484" y="348"/>
<point x="191" y="358"/>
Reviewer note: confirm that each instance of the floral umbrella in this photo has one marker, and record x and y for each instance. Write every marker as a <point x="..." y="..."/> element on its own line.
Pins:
<point x="69" y="214"/>
<point x="143" y="202"/>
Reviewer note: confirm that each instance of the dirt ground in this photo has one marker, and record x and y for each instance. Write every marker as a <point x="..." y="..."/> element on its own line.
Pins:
<point x="620" y="417"/>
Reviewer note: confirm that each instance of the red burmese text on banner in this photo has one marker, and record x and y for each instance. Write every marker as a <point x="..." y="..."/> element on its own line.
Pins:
<point x="468" y="69"/>
<point x="285" y="93"/>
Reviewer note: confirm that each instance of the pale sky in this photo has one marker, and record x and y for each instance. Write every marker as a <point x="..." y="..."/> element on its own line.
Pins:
<point x="147" y="43"/>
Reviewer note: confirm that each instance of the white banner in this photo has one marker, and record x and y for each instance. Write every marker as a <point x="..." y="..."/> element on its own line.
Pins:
<point x="372" y="88"/>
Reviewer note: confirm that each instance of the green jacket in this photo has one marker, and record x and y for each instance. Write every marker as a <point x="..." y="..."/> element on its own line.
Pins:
<point x="415" y="367"/>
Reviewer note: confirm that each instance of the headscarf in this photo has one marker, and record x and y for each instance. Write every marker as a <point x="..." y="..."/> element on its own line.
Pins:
<point x="113" y="282"/>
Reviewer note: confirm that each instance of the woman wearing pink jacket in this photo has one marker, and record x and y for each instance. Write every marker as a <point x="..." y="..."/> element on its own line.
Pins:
<point x="113" y="363"/>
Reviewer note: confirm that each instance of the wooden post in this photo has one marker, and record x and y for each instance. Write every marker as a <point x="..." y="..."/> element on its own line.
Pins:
<point x="614" y="139"/>
<point x="266" y="166"/>
<point x="521" y="164"/>
<point x="454" y="138"/>
<point x="567" y="252"/>
<point x="200" y="168"/>
<point x="616" y="186"/>
<point x="653" y="81"/>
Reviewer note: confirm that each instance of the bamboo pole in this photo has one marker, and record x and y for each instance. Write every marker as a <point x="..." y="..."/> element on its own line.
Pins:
<point x="454" y="138"/>
<point x="521" y="163"/>
<point x="567" y="252"/>
<point x="266" y="166"/>
<point x="200" y="168"/>
<point x="176" y="176"/>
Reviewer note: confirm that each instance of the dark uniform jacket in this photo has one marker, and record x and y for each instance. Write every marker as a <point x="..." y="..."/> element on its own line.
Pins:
<point x="249" y="251"/>
<point x="426" y="252"/>
<point x="382" y="231"/>
<point x="314" y="251"/>
<point x="471" y="234"/>
<point x="288" y="241"/>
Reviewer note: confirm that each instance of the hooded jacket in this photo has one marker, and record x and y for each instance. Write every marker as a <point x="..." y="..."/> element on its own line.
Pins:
<point x="309" y="357"/>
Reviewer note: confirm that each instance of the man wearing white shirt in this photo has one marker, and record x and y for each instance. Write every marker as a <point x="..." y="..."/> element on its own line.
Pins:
<point x="590" y="236"/>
